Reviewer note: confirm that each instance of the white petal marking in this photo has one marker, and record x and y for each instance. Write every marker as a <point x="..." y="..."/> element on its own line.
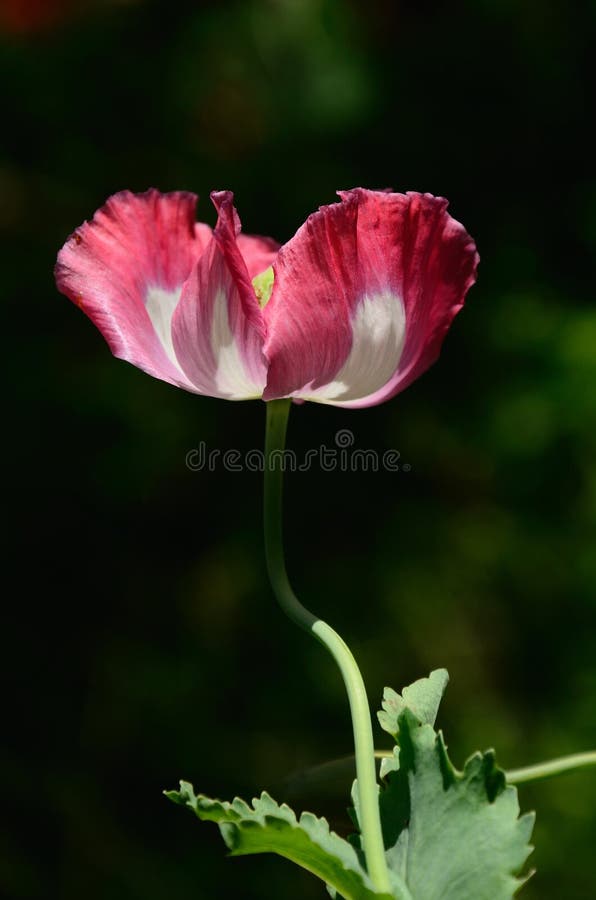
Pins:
<point x="379" y="330"/>
<point x="231" y="378"/>
<point x="160" y="305"/>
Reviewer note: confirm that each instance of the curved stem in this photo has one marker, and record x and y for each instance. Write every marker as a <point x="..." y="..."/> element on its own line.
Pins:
<point x="368" y="789"/>
<point x="552" y="767"/>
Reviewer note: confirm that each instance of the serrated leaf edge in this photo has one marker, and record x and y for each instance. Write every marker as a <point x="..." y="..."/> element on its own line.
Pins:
<point x="239" y="814"/>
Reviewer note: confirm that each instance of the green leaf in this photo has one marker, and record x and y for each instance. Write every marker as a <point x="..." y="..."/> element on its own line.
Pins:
<point x="267" y="827"/>
<point x="448" y="835"/>
<point x="422" y="699"/>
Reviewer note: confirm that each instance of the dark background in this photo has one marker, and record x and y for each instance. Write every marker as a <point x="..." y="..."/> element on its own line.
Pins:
<point x="141" y="641"/>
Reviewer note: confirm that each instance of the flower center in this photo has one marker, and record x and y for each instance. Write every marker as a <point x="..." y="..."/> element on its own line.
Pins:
<point x="263" y="285"/>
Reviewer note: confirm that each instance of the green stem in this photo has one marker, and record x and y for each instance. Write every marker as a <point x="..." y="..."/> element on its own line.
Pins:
<point x="552" y="767"/>
<point x="368" y="789"/>
<point x="307" y="779"/>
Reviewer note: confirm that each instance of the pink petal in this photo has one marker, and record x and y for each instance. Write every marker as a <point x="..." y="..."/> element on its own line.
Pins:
<point x="126" y="268"/>
<point x="363" y="296"/>
<point x="308" y="316"/>
<point x="257" y="252"/>
<point x="218" y="328"/>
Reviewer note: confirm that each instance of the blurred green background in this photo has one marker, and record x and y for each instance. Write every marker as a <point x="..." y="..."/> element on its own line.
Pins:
<point x="142" y="643"/>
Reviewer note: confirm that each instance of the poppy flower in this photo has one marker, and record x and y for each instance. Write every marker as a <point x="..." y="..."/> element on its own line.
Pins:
<point x="349" y="312"/>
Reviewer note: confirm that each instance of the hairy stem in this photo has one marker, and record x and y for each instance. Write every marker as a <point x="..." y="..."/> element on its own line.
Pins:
<point x="369" y="818"/>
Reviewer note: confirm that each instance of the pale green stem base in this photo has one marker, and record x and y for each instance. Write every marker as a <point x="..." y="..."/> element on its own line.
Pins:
<point x="368" y="789"/>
